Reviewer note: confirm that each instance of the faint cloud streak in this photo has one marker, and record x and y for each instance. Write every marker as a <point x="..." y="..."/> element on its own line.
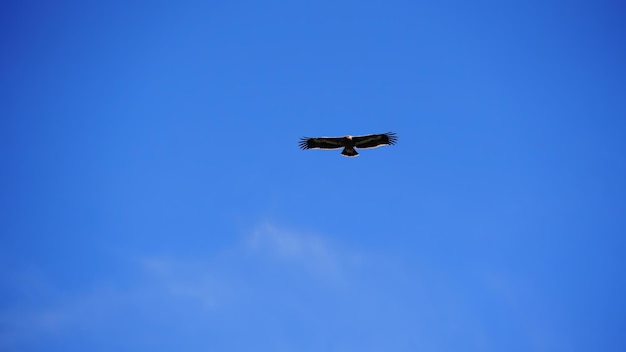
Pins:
<point x="312" y="253"/>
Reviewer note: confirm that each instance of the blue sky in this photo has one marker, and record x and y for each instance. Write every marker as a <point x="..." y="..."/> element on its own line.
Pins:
<point x="154" y="196"/>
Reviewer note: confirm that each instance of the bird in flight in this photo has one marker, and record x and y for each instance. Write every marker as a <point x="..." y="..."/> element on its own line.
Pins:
<point x="349" y="143"/>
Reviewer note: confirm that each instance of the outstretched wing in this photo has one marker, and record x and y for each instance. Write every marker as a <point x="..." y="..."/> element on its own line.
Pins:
<point x="321" y="142"/>
<point x="375" y="140"/>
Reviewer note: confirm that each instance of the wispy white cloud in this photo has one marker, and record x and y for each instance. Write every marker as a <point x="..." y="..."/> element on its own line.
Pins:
<point x="183" y="280"/>
<point x="268" y="266"/>
<point x="315" y="254"/>
<point x="274" y="288"/>
<point x="55" y="313"/>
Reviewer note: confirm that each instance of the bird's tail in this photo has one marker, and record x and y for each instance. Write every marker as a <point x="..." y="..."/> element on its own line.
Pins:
<point x="347" y="151"/>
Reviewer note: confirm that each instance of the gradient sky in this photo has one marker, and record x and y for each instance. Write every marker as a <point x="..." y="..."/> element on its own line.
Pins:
<point x="153" y="196"/>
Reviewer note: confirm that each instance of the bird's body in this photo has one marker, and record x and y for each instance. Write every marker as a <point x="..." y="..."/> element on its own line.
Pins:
<point x="349" y="143"/>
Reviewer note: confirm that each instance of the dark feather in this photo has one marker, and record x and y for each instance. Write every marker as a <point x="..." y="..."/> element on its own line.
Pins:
<point x="375" y="140"/>
<point x="321" y="142"/>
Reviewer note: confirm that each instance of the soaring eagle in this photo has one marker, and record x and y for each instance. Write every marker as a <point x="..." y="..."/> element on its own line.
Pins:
<point x="348" y="143"/>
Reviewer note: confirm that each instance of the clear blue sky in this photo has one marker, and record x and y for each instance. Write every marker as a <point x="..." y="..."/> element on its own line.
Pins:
<point x="153" y="196"/>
